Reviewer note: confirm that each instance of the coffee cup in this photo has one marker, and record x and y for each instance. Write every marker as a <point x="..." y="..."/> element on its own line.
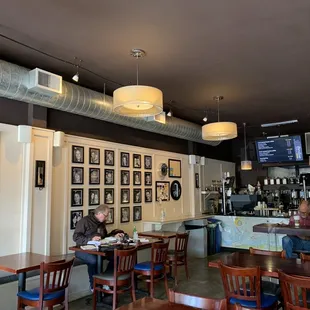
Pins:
<point x="297" y="220"/>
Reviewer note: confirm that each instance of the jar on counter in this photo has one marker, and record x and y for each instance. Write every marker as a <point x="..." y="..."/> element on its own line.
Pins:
<point x="278" y="181"/>
<point x="284" y="181"/>
<point x="271" y="181"/>
<point x="266" y="181"/>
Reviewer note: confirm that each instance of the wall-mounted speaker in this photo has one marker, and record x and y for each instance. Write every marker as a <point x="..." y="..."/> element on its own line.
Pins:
<point x="24" y="134"/>
<point x="193" y="159"/>
<point x="59" y="139"/>
<point x="202" y="161"/>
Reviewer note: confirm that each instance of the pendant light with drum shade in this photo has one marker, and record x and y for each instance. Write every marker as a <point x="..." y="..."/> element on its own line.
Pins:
<point x="245" y="164"/>
<point x="219" y="131"/>
<point x="138" y="100"/>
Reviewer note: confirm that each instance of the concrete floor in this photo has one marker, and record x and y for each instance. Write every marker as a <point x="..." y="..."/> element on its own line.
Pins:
<point x="204" y="281"/>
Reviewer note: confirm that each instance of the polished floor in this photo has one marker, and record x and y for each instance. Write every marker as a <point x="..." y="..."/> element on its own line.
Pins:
<point x="204" y="281"/>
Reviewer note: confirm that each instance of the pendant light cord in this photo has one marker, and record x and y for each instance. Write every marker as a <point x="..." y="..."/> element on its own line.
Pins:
<point x="245" y="157"/>
<point x="218" y="109"/>
<point x="137" y="70"/>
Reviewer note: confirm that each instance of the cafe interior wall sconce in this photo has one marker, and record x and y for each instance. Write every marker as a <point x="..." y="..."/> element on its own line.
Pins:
<point x="40" y="174"/>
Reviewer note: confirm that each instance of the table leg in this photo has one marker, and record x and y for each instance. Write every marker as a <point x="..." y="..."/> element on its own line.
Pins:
<point x="276" y="241"/>
<point x="268" y="236"/>
<point x="21" y="281"/>
<point x="99" y="270"/>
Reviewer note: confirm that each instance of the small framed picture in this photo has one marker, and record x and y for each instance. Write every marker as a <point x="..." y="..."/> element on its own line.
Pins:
<point x="75" y="217"/>
<point x="125" y="178"/>
<point x="148" y="178"/>
<point x="77" y="154"/>
<point x="197" y="180"/>
<point x="109" y="196"/>
<point x="147" y="162"/>
<point x="125" y="214"/>
<point x="176" y="190"/>
<point x="94" y="196"/>
<point x="125" y="195"/>
<point x="124" y="159"/>
<point x="94" y="175"/>
<point x="162" y="191"/>
<point x="174" y="168"/>
<point x="110" y="219"/>
<point x="77" y="175"/>
<point x="109" y="158"/>
<point x="94" y="156"/>
<point x="136" y="161"/>
<point x="148" y="197"/>
<point x="137" y="196"/>
<point x="137" y="213"/>
<point x="108" y="177"/>
<point x="137" y="178"/>
<point x="40" y="174"/>
<point x="76" y="197"/>
<point x="91" y="211"/>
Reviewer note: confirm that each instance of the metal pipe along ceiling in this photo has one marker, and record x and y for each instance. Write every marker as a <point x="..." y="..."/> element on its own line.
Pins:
<point x="79" y="100"/>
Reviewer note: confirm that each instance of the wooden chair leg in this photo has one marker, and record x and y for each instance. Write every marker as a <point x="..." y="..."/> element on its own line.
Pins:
<point x="176" y="273"/>
<point x="19" y="304"/>
<point x="152" y="287"/>
<point x="114" y="296"/>
<point x="94" y="296"/>
<point x="133" y="288"/>
<point x="166" y="284"/>
<point x="186" y="268"/>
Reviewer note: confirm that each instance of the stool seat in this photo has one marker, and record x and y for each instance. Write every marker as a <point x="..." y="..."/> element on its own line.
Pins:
<point x="171" y="254"/>
<point x="266" y="301"/>
<point x="34" y="294"/>
<point x="146" y="266"/>
<point x="109" y="276"/>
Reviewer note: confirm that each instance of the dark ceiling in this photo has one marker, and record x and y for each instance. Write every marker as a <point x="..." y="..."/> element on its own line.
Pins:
<point x="254" y="53"/>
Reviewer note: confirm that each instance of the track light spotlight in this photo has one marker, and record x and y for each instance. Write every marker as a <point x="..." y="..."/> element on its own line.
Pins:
<point x="205" y="119"/>
<point x="170" y="114"/>
<point x="75" y="77"/>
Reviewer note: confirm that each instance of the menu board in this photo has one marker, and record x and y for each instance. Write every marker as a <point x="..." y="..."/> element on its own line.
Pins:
<point x="280" y="149"/>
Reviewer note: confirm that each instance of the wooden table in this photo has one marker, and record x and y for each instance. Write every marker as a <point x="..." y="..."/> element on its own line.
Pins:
<point x="154" y="304"/>
<point x="269" y="264"/>
<point x="158" y="234"/>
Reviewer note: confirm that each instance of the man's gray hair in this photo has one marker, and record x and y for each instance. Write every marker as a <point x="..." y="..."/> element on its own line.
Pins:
<point x="102" y="209"/>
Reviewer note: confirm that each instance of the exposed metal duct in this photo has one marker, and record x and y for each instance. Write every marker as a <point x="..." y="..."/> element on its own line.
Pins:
<point x="79" y="100"/>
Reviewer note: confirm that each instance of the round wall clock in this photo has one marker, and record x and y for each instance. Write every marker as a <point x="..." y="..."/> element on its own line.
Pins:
<point x="176" y="190"/>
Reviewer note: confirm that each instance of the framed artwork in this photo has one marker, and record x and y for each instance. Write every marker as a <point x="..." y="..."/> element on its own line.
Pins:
<point x="94" y="156"/>
<point x="124" y="159"/>
<point x="197" y="180"/>
<point x="148" y="195"/>
<point x="94" y="176"/>
<point x="91" y="211"/>
<point x="137" y="213"/>
<point x="77" y="154"/>
<point x="174" y="168"/>
<point x="147" y="162"/>
<point x="137" y="196"/>
<point x="125" y="177"/>
<point x="75" y="216"/>
<point x="137" y="178"/>
<point x="125" y="214"/>
<point x="176" y="190"/>
<point x="94" y="196"/>
<point x="108" y="177"/>
<point x="40" y="174"/>
<point x="109" y="196"/>
<point x="136" y="161"/>
<point x="148" y="178"/>
<point x="76" y="197"/>
<point x="162" y="191"/>
<point x="125" y="195"/>
<point x="77" y="175"/>
<point x="109" y="158"/>
<point x="110" y="219"/>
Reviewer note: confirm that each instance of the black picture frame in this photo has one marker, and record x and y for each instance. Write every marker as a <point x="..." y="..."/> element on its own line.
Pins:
<point x="162" y="190"/>
<point x="148" y="162"/>
<point x="137" y="178"/>
<point x="176" y="190"/>
<point x="75" y="216"/>
<point x="137" y="195"/>
<point x="125" y="192"/>
<point x="94" y="156"/>
<point x="77" y="175"/>
<point x="125" y="160"/>
<point x="148" y="179"/>
<point x="109" y="157"/>
<point x="91" y="211"/>
<point x="125" y="217"/>
<point x="109" y="200"/>
<point x="108" y="176"/>
<point x="94" y="196"/>
<point x="77" y="154"/>
<point x="136" y="158"/>
<point x="197" y="180"/>
<point x="77" y="197"/>
<point x="174" y="168"/>
<point x="125" y="181"/>
<point x="40" y="174"/>
<point x="148" y="198"/>
<point x="137" y="213"/>
<point x="110" y="218"/>
<point x="94" y="179"/>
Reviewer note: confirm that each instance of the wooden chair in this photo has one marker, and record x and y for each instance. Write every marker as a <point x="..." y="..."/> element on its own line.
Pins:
<point x="295" y="291"/>
<point x="243" y="286"/>
<point x="154" y="270"/>
<point x="53" y="290"/>
<point x="122" y="277"/>
<point x="196" y="301"/>
<point x="304" y="257"/>
<point x="267" y="253"/>
<point x="178" y="256"/>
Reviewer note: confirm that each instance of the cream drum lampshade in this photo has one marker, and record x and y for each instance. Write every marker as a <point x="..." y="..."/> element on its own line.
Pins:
<point x="219" y="131"/>
<point x="246" y="165"/>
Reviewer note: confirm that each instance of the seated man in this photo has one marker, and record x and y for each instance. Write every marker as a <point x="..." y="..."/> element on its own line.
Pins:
<point x="92" y="227"/>
<point x="301" y="243"/>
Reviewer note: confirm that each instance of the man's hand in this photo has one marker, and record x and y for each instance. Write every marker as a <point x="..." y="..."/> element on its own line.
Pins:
<point x="119" y="235"/>
<point x="96" y="238"/>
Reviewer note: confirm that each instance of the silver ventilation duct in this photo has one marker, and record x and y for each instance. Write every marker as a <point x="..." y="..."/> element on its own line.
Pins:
<point x="79" y="100"/>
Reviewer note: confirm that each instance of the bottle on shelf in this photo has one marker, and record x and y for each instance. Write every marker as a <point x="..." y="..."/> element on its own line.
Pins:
<point x="135" y="234"/>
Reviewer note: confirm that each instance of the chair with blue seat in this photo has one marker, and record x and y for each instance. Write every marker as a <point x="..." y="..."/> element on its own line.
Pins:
<point x="53" y="290"/>
<point x="154" y="270"/>
<point x="237" y="281"/>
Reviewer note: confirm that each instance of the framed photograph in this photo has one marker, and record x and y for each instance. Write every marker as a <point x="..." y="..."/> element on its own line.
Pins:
<point x="136" y="161"/>
<point x="75" y="217"/>
<point x="176" y="190"/>
<point x="125" y="195"/>
<point x="91" y="211"/>
<point x="77" y="175"/>
<point x="125" y="177"/>
<point x="110" y="219"/>
<point x="94" y="196"/>
<point x="77" y="154"/>
<point x="148" y="178"/>
<point x="137" y="178"/>
<point x="77" y="197"/>
<point x="94" y="156"/>
<point x="108" y="177"/>
<point x="109" y="196"/>
<point x="109" y="158"/>
<point x="124" y="159"/>
<point x="147" y="162"/>
<point x="137" y="213"/>
<point x="137" y="196"/>
<point x="162" y="191"/>
<point x="174" y="168"/>
<point x="148" y="195"/>
<point x="94" y="176"/>
<point x="125" y="214"/>
<point x="197" y="180"/>
<point x="40" y="174"/>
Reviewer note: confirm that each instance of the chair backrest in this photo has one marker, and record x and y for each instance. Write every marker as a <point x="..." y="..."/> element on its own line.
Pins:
<point x="196" y="301"/>
<point x="267" y="253"/>
<point x="304" y="257"/>
<point x="181" y="241"/>
<point x="242" y="283"/>
<point x="159" y="253"/>
<point x="124" y="260"/>
<point x="294" y="290"/>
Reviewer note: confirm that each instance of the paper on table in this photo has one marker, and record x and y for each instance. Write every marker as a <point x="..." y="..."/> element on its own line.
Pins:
<point x="89" y="247"/>
<point x="95" y="243"/>
<point x="143" y="240"/>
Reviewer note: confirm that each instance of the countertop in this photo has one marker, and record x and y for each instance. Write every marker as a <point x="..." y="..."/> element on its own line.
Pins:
<point x="258" y="216"/>
<point x="199" y="217"/>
